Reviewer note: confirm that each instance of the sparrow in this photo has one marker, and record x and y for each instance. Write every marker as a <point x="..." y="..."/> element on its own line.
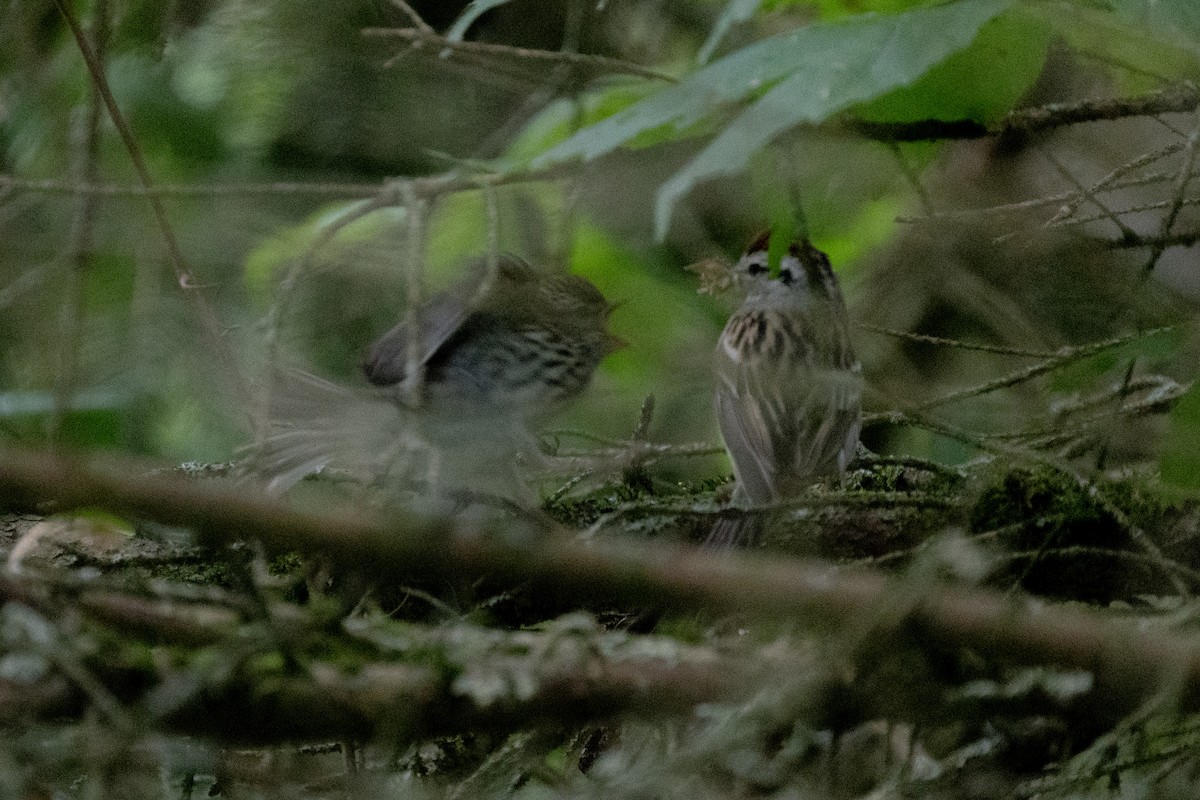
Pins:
<point x="789" y="387"/>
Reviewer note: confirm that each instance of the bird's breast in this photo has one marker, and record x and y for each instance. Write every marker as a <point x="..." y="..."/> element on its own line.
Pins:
<point x="516" y="364"/>
<point x="754" y="335"/>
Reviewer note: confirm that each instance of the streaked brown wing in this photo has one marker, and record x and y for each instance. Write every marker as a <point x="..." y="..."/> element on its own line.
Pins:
<point x="823" y="417"/>
<point x="745" y="437"/>
<point x="442" y="317"/>
<point x="387" y="359"/>
<point x="744" y="420"/>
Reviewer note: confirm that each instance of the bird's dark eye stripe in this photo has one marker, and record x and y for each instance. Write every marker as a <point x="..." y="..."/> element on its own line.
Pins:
<point x="756" y="269"/>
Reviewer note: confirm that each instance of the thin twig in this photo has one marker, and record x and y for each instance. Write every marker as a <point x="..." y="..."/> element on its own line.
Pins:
<point x="1126" y="231"/>
<point x="572" y="482"/>
<point x="80" y="238"/>
<point x="413" y="389"/>
<point x="413" y="16"/>
<point x="1069" y="201"/>
<point x="913" y="178"/>
<point x="1064" y="356"/>
<point x="210" y="324"/>
<point x="420" y="38"/>
<point x="1112" y="180"/>
<point x="1177" y="197"/>
<point x="1136" y="534"/>
<point x="942" y="342"/>
<point x="281" y="305"/>
<point x="645" y="417"/>
<point x="1066" y="425"/>
<point x="60" y="650"/>
<point x="1072" y="552"/>
<point x="63" y="186"/>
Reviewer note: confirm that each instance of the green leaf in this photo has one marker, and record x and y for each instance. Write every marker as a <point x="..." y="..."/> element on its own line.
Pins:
<point x="1178" y="21"/>
<point x="1145" y="41"/>
<point x="826" y="67"/>
<point x="276" y="254"/>
<point x="809" y="75"/>
<point x="872" y="226"/>
<point x="837" y="9"/>
<point x="980" y="83"/>
<point x="842" y="64"/>
<point x="838" y="63"/>
<point x="1180" y="460"/>
<point x="735" y="11"/>
<point x="558" y="121"/>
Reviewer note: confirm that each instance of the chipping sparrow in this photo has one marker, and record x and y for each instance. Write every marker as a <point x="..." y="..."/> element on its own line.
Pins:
<point x="789" y="386"/>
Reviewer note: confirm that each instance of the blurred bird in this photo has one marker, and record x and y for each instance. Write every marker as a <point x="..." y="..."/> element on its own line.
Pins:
<point x="498" y="351"/>
<point x="529" y="342"/>
<point x="789" y="387"/>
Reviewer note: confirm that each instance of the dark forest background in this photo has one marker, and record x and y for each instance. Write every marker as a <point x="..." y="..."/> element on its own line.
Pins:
<point x="196" y="198"/>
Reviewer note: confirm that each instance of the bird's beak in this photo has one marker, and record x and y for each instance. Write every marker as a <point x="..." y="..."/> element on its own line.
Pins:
<point x="614" y="343"/>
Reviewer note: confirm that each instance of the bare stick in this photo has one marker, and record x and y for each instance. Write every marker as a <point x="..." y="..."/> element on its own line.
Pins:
<point x="80" y="242"/>
<point x="1065" y="356"/>
<point x="942" y="342"/>
<point x="1126" y="231"/>
<point x="419" y="38"/>
<point x="209" y="323"/>
<point x="1031" y="120"/>
<point x="414" y="269"/>
<point x="1129" y="662"/>
<point x="1177" y="197"/>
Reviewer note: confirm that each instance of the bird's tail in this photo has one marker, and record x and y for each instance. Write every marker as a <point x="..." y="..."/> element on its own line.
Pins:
<point x="366" y="436"/>
<point x="741" y="531"/>
<point x="311" y="424"/>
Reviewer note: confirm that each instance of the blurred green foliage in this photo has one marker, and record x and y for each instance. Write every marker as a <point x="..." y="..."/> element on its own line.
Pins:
<point x="279" y="135"/>
<point x="253" y="115"/>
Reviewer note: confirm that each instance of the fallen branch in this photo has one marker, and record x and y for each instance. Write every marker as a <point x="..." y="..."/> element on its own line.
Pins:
<point x="1129" y="662"/>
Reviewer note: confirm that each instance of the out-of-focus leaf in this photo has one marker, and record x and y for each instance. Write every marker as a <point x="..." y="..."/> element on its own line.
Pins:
<point x="842" y="64"/>
<point x="1133" y="36"/>
<point x="1178" y="21"/>
<point x="837" y="9"/>
<point x="735" y="11"/>
<point x="276" y="254"/>
<point x="647" y="299"/>
<point x="458" y="227"/>
<point x="873" y="226"/>
<point x="562" y="119"/>
<point x="819" y="70"/>
<point x="1180" y="459"/>
<point x="980" y="83"/>
<point x="178" y="136"/>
